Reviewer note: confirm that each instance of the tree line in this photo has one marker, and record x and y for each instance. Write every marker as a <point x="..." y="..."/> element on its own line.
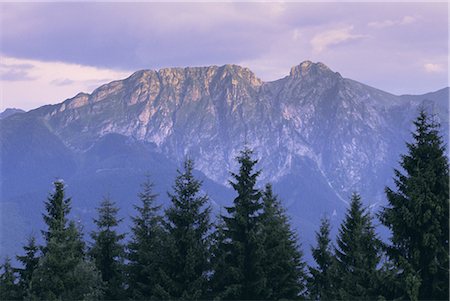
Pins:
<point x="251" y="252"/>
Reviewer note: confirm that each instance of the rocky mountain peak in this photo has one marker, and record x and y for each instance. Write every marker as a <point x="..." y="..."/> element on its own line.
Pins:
<point x="319" y="137"/>
<point x="237" y="72"/>
<point x="9" y="112"/>
<point x="231" y="71"/>
<point x="308" y="69"/>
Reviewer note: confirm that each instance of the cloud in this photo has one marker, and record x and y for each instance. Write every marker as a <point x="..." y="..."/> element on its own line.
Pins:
<point x="148" y="35"/>
<point x="324" y="40"/>
<point x="389" y="23"/>
<point x="44" y="82"/>
<point x="434" y="68"/>
<point x="62" y="82"/>
<point x="296" y="34"/>
<point x="268" y="37"/>
<point x="15" y="72"/>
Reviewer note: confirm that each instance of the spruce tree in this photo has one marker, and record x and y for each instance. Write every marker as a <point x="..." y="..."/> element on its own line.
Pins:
<point x="239" y="274"/>
<point x="62" y="272"/>
<point x="108" y="251"/>
<point x="9" y="290"/>
<point x="357" y="255"/>
<point x="187" y="245"/>
<point x="144" y="249"/>
<point x="418" y="215"/>
<point x="29" y="263"/>
<point x="320" y="283"/>
<point x="57" y="208"/>
<point x="283" y="264"/>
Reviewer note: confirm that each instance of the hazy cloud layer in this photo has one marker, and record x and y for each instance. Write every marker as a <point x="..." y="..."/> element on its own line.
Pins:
<point x="434" y="68"/>
<point x="322" y="41"/>
<point x="43" y="83"/>
<point x="62" y="82"/>
<point x="389" y="23"/>
<point x="15" y="72"/>
<point x="396" y="47"/>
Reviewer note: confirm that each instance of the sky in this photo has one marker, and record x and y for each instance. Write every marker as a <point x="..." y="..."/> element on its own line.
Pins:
<point x="51" y="51"/>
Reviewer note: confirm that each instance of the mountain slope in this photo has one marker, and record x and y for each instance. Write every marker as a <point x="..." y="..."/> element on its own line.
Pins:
<point x="9" y="112"/>
<point x="319" y="136"/>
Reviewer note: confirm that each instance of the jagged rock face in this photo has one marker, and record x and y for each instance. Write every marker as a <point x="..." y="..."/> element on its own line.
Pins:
<point x="319" y="136"/>
<point x="349" y="130"/>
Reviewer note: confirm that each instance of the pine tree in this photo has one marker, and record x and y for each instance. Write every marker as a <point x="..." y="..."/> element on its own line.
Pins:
<point x="187" y="244"/>
<point x="240" y="274"/>
<point x="108" y="252"/>
<point x="283" y="263"/>
<point x="144" y="249"/>
<point x="57" y="208"/>
<point x="9" y="290"/>
<point x="418" y="215"/>
<point x="62" y="272"/>
<point x="357" y="255"/>
<point x="320" y="283"/>
<point x="29" y="262"/>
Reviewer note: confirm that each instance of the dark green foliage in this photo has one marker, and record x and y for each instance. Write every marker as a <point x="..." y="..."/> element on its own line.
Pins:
<point x="283" y="265"/>
<point x="62" y="272"/>
<point x="107" y="251"/>
<point x="357" y="255"/>
<point x="29" y="262"/>
<point x="186" y="248"/>
<point x="320" y="283"/>
<point x="389" y="282"/>
<point x="145" y="250"/>
<point x="219" y="257"/>
<point x="418" y="215"/>
<point x="9" y="289"/>
<point x="57" y="208"/>
<point x="239" y="271"/>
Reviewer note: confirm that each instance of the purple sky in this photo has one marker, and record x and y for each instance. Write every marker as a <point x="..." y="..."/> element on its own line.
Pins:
<point x="51" y="51"/>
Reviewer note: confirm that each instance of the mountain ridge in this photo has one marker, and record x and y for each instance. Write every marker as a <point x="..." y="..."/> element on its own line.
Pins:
<point x="223" y="93"/>
<point x="295" y="71"/>
<point x="9" y="112"/>
<point x="318" y="136"/>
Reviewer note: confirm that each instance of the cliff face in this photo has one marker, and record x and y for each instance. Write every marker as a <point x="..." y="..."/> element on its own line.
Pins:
<point x="319" y="136"/>
<point x="350" y="131"/>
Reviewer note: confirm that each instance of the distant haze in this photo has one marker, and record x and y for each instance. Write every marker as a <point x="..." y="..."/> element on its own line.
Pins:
<point x="52" y="51"/>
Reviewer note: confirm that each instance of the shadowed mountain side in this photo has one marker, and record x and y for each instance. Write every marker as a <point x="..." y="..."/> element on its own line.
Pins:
<point x="318" y="136"/>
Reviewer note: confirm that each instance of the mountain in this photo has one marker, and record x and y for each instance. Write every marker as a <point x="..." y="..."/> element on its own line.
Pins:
<point x="319" y="137"/>
<point x="10" y="111"/>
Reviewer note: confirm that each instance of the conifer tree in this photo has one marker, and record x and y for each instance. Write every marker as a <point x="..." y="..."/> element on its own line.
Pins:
<point x="283" y="264"/>
<point x="29" y="262"/>
<point x="9" y="290"/>
<point x="240" y="274"/>
<point x="187" y="245"/>
<point x="57" y="208"/>
<point x="357" y="255"/>
<point x="418" y="215"/>
<point x="222" y="272"/>
<point x="320" y="283"/>
<point x="62" y="272"/>
<point x="108" y="252"/>
<point x="144" y="249"/>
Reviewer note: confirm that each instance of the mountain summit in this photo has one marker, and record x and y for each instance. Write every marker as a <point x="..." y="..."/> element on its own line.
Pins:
<point x="319" y="136"/>
<point x="310" y="69"/>
<point x="9" y="112"/>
